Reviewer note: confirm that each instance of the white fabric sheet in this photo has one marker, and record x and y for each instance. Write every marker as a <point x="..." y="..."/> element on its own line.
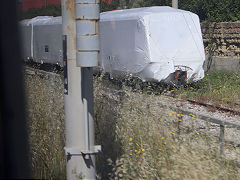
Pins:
<point x="151" y="43"/>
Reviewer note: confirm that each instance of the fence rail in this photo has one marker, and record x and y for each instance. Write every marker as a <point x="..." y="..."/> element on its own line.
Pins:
<point x="223" y="124"/>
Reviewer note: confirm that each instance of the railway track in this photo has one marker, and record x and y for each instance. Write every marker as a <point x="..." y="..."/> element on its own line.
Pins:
<point x="30" y="69"/>
<point x="215" y="107"/>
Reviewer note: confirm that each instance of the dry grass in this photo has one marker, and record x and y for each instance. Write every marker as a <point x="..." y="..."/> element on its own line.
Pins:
<point x="46" y="125"/>
<point x="154" y="144"/>
<point x="140" y="140"/>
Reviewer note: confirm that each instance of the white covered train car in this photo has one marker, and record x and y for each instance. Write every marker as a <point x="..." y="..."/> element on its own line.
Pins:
<point x="153" y="43"/>
<point x="41" y="39"/>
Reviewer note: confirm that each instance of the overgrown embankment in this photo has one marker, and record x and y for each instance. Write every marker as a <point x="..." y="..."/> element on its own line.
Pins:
<point x="139" y="137"/>
<point x="45" y="124"/>
<point x="150" y="141"/>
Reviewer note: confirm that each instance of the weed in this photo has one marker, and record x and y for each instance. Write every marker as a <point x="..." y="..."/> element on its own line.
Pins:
<point x="218" y="87"/>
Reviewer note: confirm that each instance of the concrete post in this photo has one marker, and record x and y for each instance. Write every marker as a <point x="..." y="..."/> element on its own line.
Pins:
<point x="80" y="55"/>
<point x="175" y="4"/>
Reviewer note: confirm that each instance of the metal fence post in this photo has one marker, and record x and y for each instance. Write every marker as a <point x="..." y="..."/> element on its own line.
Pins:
<point x="222" y="140"/>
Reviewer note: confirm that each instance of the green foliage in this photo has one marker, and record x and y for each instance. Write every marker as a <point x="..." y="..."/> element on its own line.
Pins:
<point x="51" y="10"/>
<point x="105" y="6"/>
<point x="153" y="3"/>
<point x="213" y="11"/>
<point x="218" y="87"/>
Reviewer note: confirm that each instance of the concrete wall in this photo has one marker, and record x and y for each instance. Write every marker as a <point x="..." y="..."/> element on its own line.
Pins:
<point x="222" y="45"/>
<point x="223" y="38"/>
<point x="222" y="63"/>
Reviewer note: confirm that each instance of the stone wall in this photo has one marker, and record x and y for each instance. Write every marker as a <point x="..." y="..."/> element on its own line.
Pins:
<point x="222" y="39"/>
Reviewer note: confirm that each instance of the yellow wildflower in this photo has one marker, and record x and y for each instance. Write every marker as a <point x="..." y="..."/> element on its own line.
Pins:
<point x="163" y="138"/>
<point x="192" y="115"/>
<point x="179" y="115"/>
<point x="130" y="139"/>
<point x="143" y="149"/>
<point x="58" y="127"/>
<point x="164" y="143"/>
<point x="197" y="132"/>
<point x="172" y="133"/>
<point x="122" y="166"/>
<point x="171" y="113"/>
<point x="139" y="151"/>
<point x="137" y="144"/>
<point x="130" y="154"/>
<point x="135" y="151"/>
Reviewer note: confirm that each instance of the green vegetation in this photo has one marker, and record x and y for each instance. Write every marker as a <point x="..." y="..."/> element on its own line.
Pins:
<point x="213" y="11"/>
<point x="218" y="87"/>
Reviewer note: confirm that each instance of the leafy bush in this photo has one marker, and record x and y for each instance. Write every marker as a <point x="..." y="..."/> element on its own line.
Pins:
<point x="214" y="10"/>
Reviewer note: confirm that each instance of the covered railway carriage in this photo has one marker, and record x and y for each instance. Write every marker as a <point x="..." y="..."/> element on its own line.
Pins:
<point x="42" y="39"/>
<point x="153" y="43"/>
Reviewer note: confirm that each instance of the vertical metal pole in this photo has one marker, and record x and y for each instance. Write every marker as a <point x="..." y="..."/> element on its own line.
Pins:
<point x="222" y="140"/>
<point x="175" y="4"/>
<point x="80" y="30"/>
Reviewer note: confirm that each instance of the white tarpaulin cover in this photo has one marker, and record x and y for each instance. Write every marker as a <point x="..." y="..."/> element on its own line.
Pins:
<point x="152" y="43"/>
<point x="42" y="39"/>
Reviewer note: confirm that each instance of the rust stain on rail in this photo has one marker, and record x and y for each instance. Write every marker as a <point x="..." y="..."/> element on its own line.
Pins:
<point x="215" y="107"/>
